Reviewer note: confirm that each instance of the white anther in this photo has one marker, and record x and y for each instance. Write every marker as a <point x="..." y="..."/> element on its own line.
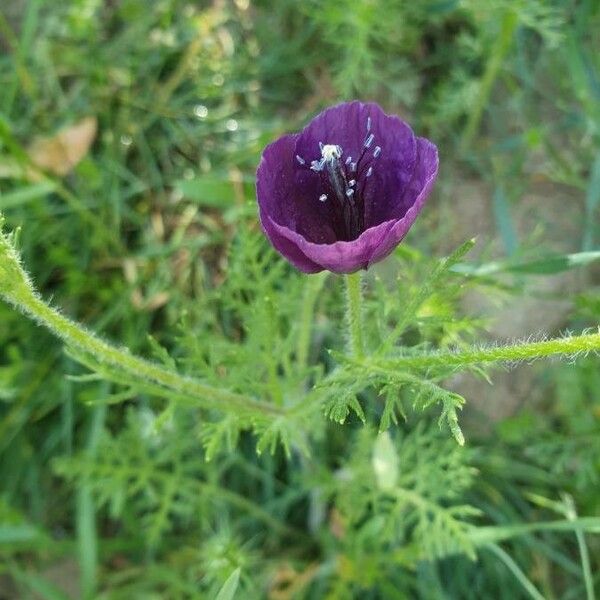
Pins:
<point x="348" y="160"/>
<point x="369" y="140"/>
<point x="353" y="167"/>
<point x="369" y="171"/>
<point x="331" y="152"/>
<point x="368" y="123"/>
<point x="349" y="192"/>
<point x="323" y="197"/>
<point x="317" y="165"/>
<point x="352" y="182"/>
<point x="300" y="159"/>
<point x="321" y="147"/>
<point x="377" y="151"/>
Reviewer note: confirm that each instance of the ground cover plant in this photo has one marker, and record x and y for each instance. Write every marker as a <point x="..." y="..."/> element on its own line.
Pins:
<point x="184" y="414"/>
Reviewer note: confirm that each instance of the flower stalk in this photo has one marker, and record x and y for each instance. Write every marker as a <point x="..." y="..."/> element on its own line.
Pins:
<point x="354" y="313"/>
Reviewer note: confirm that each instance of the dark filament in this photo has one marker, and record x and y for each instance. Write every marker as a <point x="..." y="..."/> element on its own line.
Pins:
<point x="344" y="182"/>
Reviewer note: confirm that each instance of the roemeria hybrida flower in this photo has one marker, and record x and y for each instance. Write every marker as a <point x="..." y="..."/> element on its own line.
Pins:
<point x="341" y="194"/>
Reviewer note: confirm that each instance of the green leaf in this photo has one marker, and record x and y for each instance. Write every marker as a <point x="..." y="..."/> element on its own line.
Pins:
<point x="543" y="266"/>
<point x="230" y="587"/>
<point x="339" y="408"/>
<point x="222" y="435"/>
<point x="504" y="220"/>
<point x="424" y="292"/>
<point x="430" y="393"/>
<point x="24" y="195"/>
<point x="18" y="534"/>
<point x="516" y="571"/>
<point x="486" y="535"/>
<point x="592" y="201"/>
<point x="36" y="584"/>
<point x="272" y="435"/>
<point x="449" y="405"/>
<point x="208" y="190"/>
<point x="392" y="408"/>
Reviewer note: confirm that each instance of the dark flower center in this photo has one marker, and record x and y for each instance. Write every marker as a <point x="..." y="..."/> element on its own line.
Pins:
<point x="344" y="182"/>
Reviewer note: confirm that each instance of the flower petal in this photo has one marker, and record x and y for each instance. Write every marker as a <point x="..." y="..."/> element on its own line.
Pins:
<point x="392" y="173"/>
<point x="289" y="193"/>
<point x="287" y="248"/>
<point x="349" y="125"/>
<point x="340" y="257"/>
<point x="414" y="197"/>
<point x="344" y="124"/>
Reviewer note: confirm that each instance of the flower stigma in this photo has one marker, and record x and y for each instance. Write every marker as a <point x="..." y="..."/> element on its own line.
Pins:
<point x="331" y="152"/>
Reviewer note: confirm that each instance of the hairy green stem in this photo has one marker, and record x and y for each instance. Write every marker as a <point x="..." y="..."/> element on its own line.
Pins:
<point x="75" y="335"/>
<point x="354" y="313"/>
<point x="518" y="352"/>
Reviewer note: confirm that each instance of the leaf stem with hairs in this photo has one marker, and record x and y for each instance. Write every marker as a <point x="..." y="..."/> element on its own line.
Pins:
<point x="354" y="313"/>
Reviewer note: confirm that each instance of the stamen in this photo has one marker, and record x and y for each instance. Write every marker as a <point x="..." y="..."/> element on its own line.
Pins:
<point x="300" y="159"/>
<point x="369" y="140"/>
<point x="317" y="165"/>
<point x="348" y="160"/>
<point x="369" y="172"/>
<point x="349" y="192"/>
<point x="353" y="166"/>
<point x="323" y="197"/>
<point x="352" y="182"/>
<point x="377" y="151"/>
<point x="321" y="147"/>
<point x="368" y="123"/>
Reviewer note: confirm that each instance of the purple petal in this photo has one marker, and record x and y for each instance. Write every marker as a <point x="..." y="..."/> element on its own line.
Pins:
<point x="392" y="172"/>
<point x="287" y="248"/>
<point x="289" y="193"/>
<point x="344" y="124"/>
<point x="340" y="257"/>
<point x="415" y="196"/>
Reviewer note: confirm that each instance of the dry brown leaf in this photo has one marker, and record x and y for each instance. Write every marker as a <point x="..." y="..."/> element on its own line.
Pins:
<point x="287" y="583"/>
<point x="60" y="153"/>
<point x="337" y="526"/>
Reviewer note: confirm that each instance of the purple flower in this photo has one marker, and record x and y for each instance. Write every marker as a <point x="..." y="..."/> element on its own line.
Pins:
<point x="341" y="194"/>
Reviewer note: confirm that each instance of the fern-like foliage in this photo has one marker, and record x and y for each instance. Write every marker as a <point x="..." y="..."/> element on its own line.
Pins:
<point x="400" y="496"/>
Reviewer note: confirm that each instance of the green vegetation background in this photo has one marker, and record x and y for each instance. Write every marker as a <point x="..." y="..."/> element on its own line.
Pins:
<point x="146" y="231"/>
